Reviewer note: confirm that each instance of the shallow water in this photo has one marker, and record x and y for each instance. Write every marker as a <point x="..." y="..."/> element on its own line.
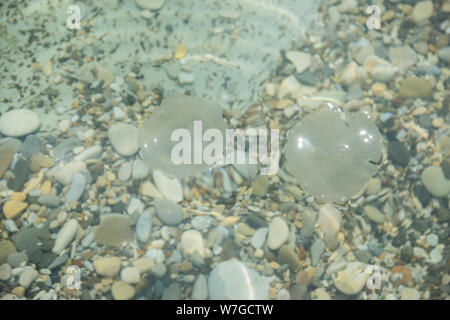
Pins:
<point x="80" y="214"/>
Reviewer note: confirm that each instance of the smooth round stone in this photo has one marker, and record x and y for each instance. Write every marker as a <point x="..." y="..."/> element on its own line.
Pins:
<point x="107" y="266"/>
<point x="435" y="255"/>
<point x="130" y="275"/>
<point x="49" y="200"/>
<point x="373" y="186"/>
<point x="432" y="239"/>
<point x="201" y="222"/>
<point x="15" y="259"/>
<point x="374" y="214"/>
<point x="300" y="60"/>
<point x="6" y="248"/>
<point x="233" y="280"/>
<point x="278" y="233"/>
<point x="336" y="163"/>
<point x="444" y="54"/>
<point x="150" y="4"/>
<point x="143" y="265"/>
<point x="168" y="211"/>
<point x="144" y="227"/>
<point x="125" y="171"/>
<point x="259" y="238"/>
<point x="114" y="230"/>
<point x="423" y="10"/>
<point x="76" y="188"/>
<point x="124" y="138"/>
<point x="352" y="279"/>
<point x="27" y="277"/>
<point x="169" y="187"/>
<point x="5" y="272"/>
<point x="19" y="122"/>
<point x="192" y="241"/>
<point x="434" y="180"/>
<point x="140" y="169"/>
<point x="330" y="219"/>
<point x="122" y="291"/>
<point x="65" y="236"/>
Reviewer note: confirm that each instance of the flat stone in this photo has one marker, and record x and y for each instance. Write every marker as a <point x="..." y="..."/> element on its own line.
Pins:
<point x="64" y="173"/>
<point x="135" y="206"/>
<point x="260" y="186"/>
<point x="65" y="236"/>
<point x="363" y="255"/>
<point x="5" y="271"/>
<point x="124" y="138"/>
<point x="330" y="219"/>
<point x="434" y="180"/>
<point x="150" y="4"/>
<point x="278" y="233"/>
<point x="114" y="230"/>
<point x="19" y="122"/>
<point x="63" y="151"/>
<point x="317" y="249"/>
<point x="143" y="265"/>
<point x="32" y="145"/>
<point x="39" y="161"/>
<point x="402" y="57"/>
<point x="122" y="291"/>
<point x="168" y="211"/>
<point x="107" y="266"/>
<point x="49" y="200"/>
<point x="27" y="277"/>
<point x="12" y="208"/>
<point x="6" y="155"/>
<point x="413" y="87"/>
<point x="20" y="175"/>
<point x="444" y="54"/>
<point x="93" y="152"/>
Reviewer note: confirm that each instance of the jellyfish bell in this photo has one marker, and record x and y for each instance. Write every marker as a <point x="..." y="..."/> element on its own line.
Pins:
<point x="175" y="123"/>
<point x="333" y="154"/>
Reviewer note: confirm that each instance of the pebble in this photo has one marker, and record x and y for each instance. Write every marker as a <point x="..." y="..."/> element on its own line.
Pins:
<point x="169" y="187"/>
<point x="185" y="77"/>
<point x="420" y="253"/>
<point x="125" y="171"/>
<point x="49" y="200"/>
<point x="317" y="249"/>
<point x="201" y="223"/>
<point x="432" y="239"/>
<point x="352" y="279"/>
<point x="19" y="122"/>
<point x="150" y="4"/>
<point x="159" y="270"/>
<point x="114" y="230"/>
<point x="140" y="169"/>
<point x="434" y="180"/>
<point x="63" y="174"/>
<point x="149" y="190"/>
<point x="143" y="265"/>
<point x="6" y="155"/>
<point x="435" y="256"/>
<point x="107" y="266"/>
<point x="135" y="206"/>
<point x="10" y="226"/>
<point x="374" y="214"/>
<point x="409" y="294"/>
<point x="122" y="291"/>
<point x="172" y="292"/>
<point x="18" y="291"/>
<point x="27" y="277"/>
<point x="191" y="241"/>
<point x="402" y="57"/>
<point x="168" y="211"/>
<point x="373" y="186"/>
<point x="260" y="186"/>
<point x="124" y="138"/>
<point x="423" y="10"/>
<point x="278" y="233"/>
<point x="398" y="153"/>
<point x="413" y="87"/>
<point x="130" y="275"/>
<point x="200" y="288"/>
<point x="31" y="146"/>
<point x="12" y="208"/>
<point x="320" y="294"/>
<point x="233" y="280"/>
<point x="444" y="54"/>
<point x="288" y="256"/>
<point x="16" y="259"/>
<point x="330" y="219"/>
<point x="76" y="188"/>
<point x="363" y="255"/>
<point x="350" y="74"/>
<point x="301" y="60"/>
<point x="259" y="238"/>
<point x="65" y="236"/>
<point x="5" y="272"/>
<point x="93" y="152"/>
<point x="144" y="227"/>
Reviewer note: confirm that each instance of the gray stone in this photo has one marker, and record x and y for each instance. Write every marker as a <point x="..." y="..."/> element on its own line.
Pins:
<point x="259" y="238"/>
<point x="200" y="288"/>
<point x="144" y="227"/>
<point x="15" y="259"/>
<point x="125" y="171"/>
<point x="317" y="249"/>
<point x="49" y="200"/>
<point x="31" y="145"/>
<point x="76" y="188"/>
<point x="140" y="169"/>
<point x="168" y="211"/>
<point x="172" y="292"/>
<point x="27" y="277"/>
<point x="5" y="272"/>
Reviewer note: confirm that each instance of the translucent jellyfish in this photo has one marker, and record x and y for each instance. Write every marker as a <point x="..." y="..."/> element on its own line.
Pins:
<point x="180" y="112"/>
<point x="333" y="154"/>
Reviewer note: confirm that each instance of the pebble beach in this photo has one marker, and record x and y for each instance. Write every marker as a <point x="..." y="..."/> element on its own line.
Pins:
<point x="83" y="217"/>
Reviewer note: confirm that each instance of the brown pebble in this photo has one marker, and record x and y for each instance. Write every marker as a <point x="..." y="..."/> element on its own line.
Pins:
<point x="406" y="278"/>
<point x="6" y="155"/>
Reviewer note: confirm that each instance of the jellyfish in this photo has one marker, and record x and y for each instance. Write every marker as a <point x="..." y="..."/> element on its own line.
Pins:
<point x="171" y="140"/>
<point x="333" y="154"/>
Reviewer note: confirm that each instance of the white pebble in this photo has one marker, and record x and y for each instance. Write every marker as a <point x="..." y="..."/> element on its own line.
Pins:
<point x="65" y="236"/>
